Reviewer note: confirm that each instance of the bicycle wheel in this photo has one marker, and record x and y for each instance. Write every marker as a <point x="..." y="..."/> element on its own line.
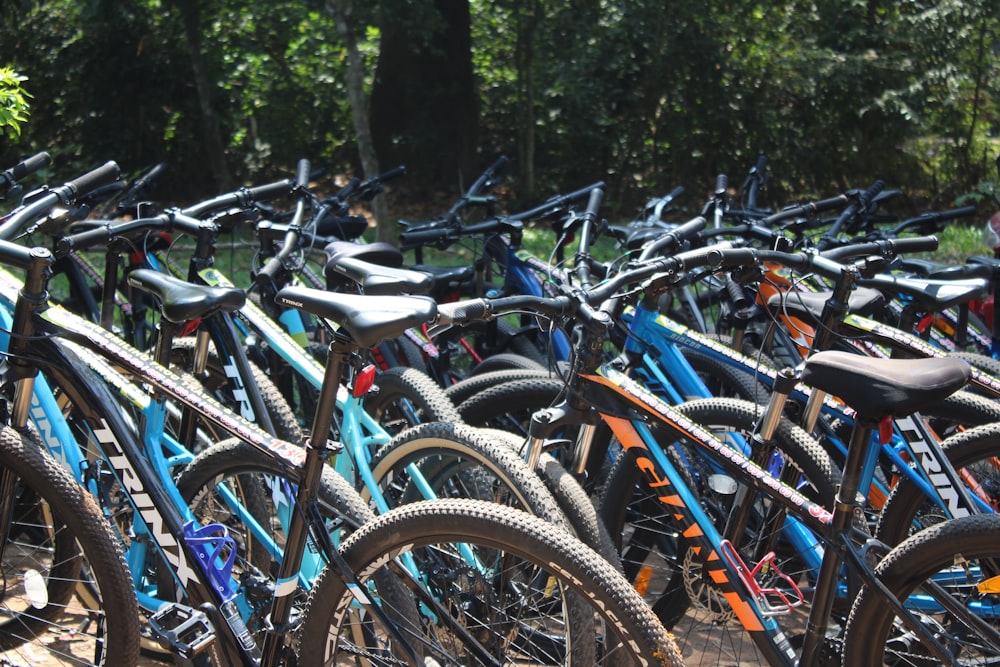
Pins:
<point x="535" y="595"/>
<point x="509" y="406"/>
<point x="474" y="384"/>
<point x="935" y="573"/>
<point x="663" y="563"/>
<point x="253" y="495"/>
<point x="68" y="596"/>
<point x="975" y="454"/>
<point x="724" y="379"/>
<point x="455" y="460"/>
<point x="406" y="397"/>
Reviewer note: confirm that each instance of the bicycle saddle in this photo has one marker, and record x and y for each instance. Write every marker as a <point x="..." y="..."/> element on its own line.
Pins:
<point x="181" y="301"/>
<point x="877" y="388"/>
<point x="808" y="306"/>
<point x="367" y="319"/>
<point x="375" y="279"/>
<point x="931" y="294"/>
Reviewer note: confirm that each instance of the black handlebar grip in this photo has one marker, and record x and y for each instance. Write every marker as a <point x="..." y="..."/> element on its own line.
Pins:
<point x="266" y="275"/>
<point x="391" y="174"/>
<point x="721" y="185"/>
<point x="270" y="190"/>
<point x="690" y="228"/>
<point x="104" y="175"/>
<point x="594" y="203"/>
<point x="461" y="312"/>
<point x="30" y="165"/>
<point x="737" y="295"/>
<point x="423" y="236"/>
<point x="675" y="193"/>
<point x="868" y="195"/>
<point x="731" y="258"/>
<point x="500" y="163"/>
<point x="302" y="173"/>
<point x="915" y="244"/>
<point x="761" y="163"/>
<point x="84" y="240"/>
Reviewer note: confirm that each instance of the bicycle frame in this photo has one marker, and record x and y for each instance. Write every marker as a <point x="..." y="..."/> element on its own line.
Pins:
<point x="154" y="499"/>
<point x="822" y="540"/>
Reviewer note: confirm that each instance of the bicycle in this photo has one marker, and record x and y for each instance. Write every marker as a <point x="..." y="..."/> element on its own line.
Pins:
<point x="192" y="555"/>
<point x="630" y="410"/>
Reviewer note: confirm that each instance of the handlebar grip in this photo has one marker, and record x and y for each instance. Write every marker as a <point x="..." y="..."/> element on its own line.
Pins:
<point x="84" y="240"/>
<point x="104" y="175"/>
<point x="675" y="193"/>
<point x="500" y="163"/>
<point x="266" y="275"/>
<point x="270" y="190"/>
<point x="761" y="163"/>
<point x="302" y="173"/>
<point x="915" y="244"/>
<point x="417" y="237"/>
<point x="690" y="228"/>
<point x="731" y="258"/>
<point x="806" y="209"/>
<point x="737" y="295"/>
<point x="30" y="165"/>
<point x="669" y="241"/>
<point x="391" y="174"/>
<point x="462" y="312"/>
<point x="873" y="190"/>
<point x="594" y="203"/>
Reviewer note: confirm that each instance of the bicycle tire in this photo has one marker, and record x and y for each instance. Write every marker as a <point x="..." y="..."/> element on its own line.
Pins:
<point x="948" y="552"/>
<point x="64" y="543"/>
<point x="975" y="453"/>
<point x="509" y="406"/>
<point x="474" y="384"/>
<point x="406" y="397"/>
<point x="725" y="380"/>
<point x="504" y="361"/>
<point x="981" y="362"/>
<point x="571" y="498"/>
<point x="654" y="550"/>
<point x="583" y="592"/>
<point x="456" y="459"/>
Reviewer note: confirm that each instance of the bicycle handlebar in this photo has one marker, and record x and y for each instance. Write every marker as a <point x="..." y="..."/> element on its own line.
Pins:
<point x="171" y="220"/>
<point x="804" y="210"/>
<point x="858" y="206"/>
<point x="671" y="240"/>
<point x="10" y="177"/>
<point x="444" y="232"/>
<point x="657" y="274"/>
<point x="66" y="194"/>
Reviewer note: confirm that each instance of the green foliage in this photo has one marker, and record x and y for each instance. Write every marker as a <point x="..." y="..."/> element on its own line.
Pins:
<point x="643" y="94"/>
<point x="13" y="102"/>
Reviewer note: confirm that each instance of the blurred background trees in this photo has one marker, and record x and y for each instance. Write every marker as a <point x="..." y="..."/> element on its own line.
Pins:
<point x="643" y="94"/>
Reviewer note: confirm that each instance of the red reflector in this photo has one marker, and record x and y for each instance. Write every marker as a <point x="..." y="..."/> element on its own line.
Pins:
<point x="885" y="430"/>
<point x="363" y="381"/>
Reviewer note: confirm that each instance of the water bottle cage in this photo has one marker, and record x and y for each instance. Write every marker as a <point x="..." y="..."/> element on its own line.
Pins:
<point x="771" y="601"/>
<point x="216" y="551"/>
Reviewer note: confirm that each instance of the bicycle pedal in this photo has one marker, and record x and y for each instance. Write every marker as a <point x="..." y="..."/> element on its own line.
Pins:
<point x="771" y="600"/>
<point x="182" y="630"/>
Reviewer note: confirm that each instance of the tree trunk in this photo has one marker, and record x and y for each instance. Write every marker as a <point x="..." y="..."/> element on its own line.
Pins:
<point x="342" y="14"/>
<point x="215" y="152"/>
<point x="425" y="111"/>
<point x="524" y="55"/>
